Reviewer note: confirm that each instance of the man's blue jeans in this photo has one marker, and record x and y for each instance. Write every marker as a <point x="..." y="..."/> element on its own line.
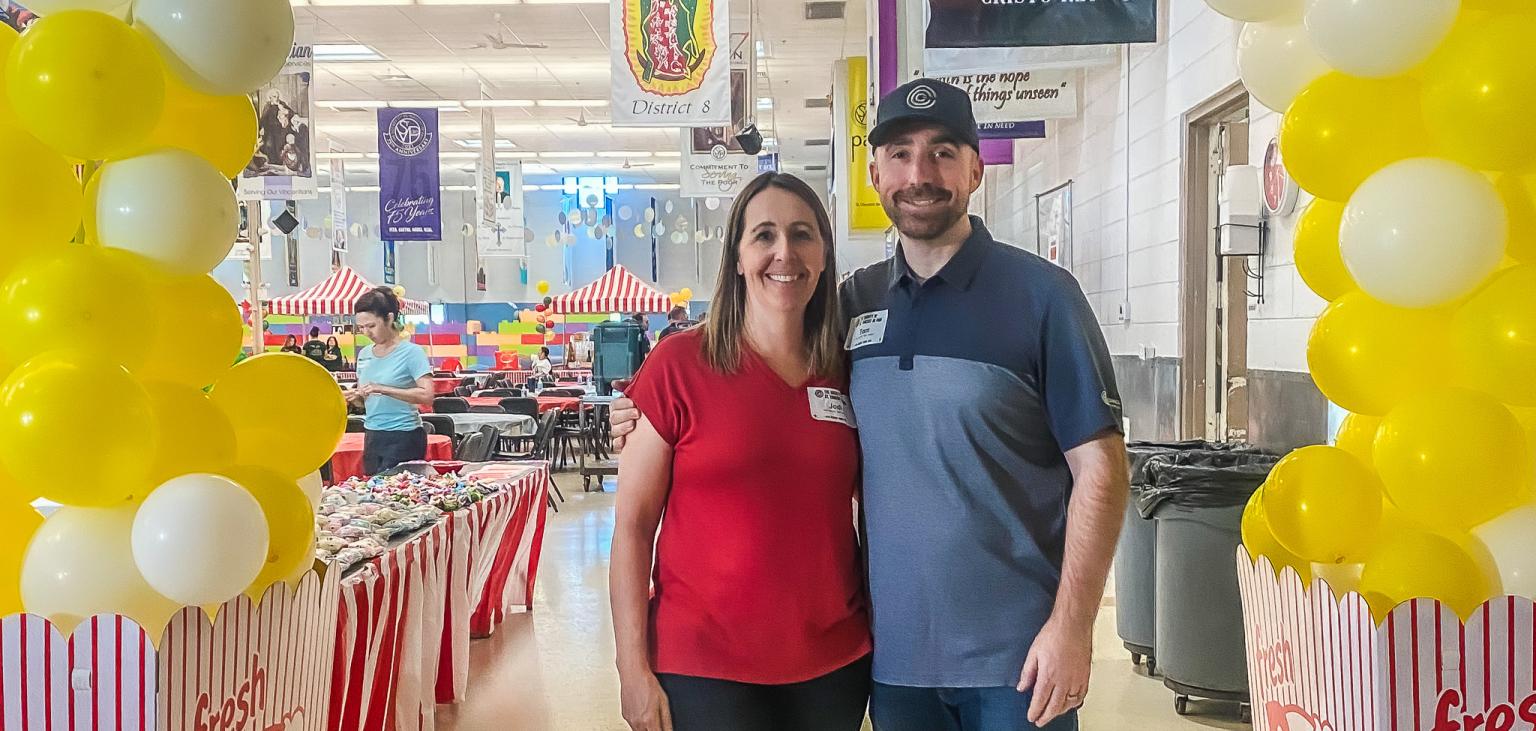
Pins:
<point x="898" y="708"/>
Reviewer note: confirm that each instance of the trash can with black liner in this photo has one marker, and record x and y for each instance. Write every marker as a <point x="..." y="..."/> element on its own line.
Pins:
<point x="1136" y="556"/>
<point x="1197" y="500"/>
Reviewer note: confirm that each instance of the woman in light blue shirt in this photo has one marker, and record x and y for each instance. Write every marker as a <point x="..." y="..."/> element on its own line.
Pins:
<point x="393" y="378"/>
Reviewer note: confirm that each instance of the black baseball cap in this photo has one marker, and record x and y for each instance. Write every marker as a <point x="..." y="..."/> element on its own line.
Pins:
<point x="926" y="100"/>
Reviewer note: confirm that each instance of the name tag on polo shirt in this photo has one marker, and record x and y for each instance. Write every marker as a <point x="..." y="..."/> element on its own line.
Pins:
<point x="867" y="329"/>
<point x="829" y="404"/>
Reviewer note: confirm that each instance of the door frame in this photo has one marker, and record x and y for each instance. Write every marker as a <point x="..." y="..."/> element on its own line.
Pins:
<point x="1198" y="255"/>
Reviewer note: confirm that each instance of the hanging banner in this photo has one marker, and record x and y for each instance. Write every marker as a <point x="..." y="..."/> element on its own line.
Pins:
<point x="714" y="164"/>
<point x="506" y="200"/>
<point x="866" y="214"/>
<point x="768" y="163"/>
<point x="671" y="63"/>
<point x="486" y="232"/>
<point x="283" y="167"/>
<point x="1016" y="96"/>
<point x="1011" y="130"/>
<point x="339" y="206"/>
<point x="389" y="262"/>
<point x="991" y="24"/>
<point x="410" y="205"/>
<point x="242" y="247"/>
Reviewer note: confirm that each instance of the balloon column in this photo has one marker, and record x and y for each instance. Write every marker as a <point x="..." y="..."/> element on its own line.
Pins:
<point x="179" y="472"/>
<point x="1411" y="124"/>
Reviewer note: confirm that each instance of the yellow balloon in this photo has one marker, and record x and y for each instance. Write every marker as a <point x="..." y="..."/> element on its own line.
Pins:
<point x="1367" y="356"/>
<point x="1341" y="129"/>
<point x="86" y="84"/>
<point x="8" y="36"/>
<point x="1318" y="258"/>
<point x="1495" y="337"/>
<point x="290" y="520"/>
<point x="687" y="293"/>
<point x="194" y="435"/>
<point x="51" y="444"/>
<point x="1477" y="93"/>
<point x="543" y="287"/>
<point x="219" y="129"/>
<point x="79" y="297"/>
<point x="287" y="411"/>
<point x="1412" y="563"/>
<point x="40" y="198"/>
<point x="1452" y="459"/>
<point x="18" y="523"/>
<point x="1519" y="195"/>
<point x="1357" y="435"/>
<point x="1261" y="541"/>
<point x="1323" y="505"/>
<point x="193" y="305"/>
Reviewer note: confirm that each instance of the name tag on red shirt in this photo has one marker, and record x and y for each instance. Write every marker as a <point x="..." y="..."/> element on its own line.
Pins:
<point x="828" y="404"/>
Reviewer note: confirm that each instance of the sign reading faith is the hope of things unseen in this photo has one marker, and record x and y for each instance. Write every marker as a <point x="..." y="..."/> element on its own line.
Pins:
<point x="671" y="63"/>
<point x="1003" y="23"/>
<point x="410" y="206"/>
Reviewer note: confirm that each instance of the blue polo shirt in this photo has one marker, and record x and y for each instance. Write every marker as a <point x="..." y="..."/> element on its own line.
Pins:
<point x="968" y="389"/>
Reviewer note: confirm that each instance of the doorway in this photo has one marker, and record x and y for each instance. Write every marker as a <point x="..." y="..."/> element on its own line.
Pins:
<point x="1213" y="380"/>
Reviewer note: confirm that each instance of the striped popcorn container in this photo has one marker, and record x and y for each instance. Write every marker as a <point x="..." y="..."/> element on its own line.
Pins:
<point x="256" y="667"/>
<point x="1321" y="663"/>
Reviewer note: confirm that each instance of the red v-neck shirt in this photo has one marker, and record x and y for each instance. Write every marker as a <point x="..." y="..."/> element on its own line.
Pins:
<point x="758" y="577"/>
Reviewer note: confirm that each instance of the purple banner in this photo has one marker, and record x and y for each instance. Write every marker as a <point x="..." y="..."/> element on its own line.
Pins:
<point x="996" y="152"/>
<point x="410" y="197"/>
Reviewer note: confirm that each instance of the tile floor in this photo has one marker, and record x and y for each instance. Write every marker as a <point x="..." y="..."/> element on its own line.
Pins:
<point x="552" y="669"/>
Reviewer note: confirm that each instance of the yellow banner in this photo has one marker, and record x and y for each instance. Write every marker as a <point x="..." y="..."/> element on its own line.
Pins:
<point x="867" y="215"/>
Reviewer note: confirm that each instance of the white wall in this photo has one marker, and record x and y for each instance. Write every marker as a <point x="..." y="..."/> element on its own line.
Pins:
<point x="1123" y="157"/>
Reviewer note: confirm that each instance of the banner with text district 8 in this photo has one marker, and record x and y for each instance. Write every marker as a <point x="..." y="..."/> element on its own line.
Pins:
<point x="671" y="63"/>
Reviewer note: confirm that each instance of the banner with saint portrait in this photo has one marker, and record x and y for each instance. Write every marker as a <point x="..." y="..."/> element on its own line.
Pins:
<point x="283" y="167"/>
<point x="671" y="63"/>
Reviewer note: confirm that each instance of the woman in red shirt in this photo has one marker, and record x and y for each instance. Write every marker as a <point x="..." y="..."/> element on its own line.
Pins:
<point x="758" y="617"/>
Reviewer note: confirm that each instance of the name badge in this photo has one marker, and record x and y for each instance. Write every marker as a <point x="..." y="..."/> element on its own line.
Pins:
<point x="829" y="404"/>
<point x="867" y="329"/>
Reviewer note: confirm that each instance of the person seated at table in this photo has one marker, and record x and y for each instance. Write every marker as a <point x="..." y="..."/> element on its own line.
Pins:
<point x="332" y="359"/>
<point x="393" y="379"/>
<point x="291" y="345"/>
<point x="543" y="370"/>
<point x="759" y="618"/>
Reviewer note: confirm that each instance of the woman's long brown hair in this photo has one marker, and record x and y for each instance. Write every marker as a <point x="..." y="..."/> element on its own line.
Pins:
<point x="726" y="326"/>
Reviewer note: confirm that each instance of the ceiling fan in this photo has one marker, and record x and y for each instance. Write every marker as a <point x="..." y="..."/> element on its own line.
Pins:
<point x="581" y="119"/>
<point x="499" y="43"/>
<point x="628" y="165"/>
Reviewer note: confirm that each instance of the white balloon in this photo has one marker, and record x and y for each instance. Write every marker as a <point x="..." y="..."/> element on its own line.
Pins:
<point x="116" y="8"/>
<point x="80" y="563"/>
<point x="1511" y="540"/>
<point x="1378" y="38"/>
<point x="200" y="539"/>
<point x="219" y="47"/>
<point x="169" y="205"/>
<point x="1276" y="61"/>
<point x="312" y="486"/>
<point x="1423" y="232"/>
<point x="1257" y="11"/>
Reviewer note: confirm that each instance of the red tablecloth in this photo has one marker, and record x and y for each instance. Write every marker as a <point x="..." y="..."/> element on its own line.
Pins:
<point x="441" y="386"/>
<point x="546" y="403"/>
<point x="347" y="461"/>
<point x="407" y="617"/>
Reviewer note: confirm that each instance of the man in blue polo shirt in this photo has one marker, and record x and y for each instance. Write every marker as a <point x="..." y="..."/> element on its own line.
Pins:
<point x="994" y="468"/>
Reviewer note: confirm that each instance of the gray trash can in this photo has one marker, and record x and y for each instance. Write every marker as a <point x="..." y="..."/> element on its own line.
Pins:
<point x="1197" y="500"/>
<point x="1136" y="556"/>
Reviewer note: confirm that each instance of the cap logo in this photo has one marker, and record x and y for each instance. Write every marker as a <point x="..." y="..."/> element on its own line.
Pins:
<point x="922" y="97"/>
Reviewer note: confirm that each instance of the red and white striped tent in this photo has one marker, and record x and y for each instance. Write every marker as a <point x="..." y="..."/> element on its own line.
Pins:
<point x="616" y="291"/>
<point x="335" y="296"/>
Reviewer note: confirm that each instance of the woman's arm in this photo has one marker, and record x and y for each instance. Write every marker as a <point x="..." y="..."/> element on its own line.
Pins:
<point x="645" y="478"/>
<point x="420" y="394"/>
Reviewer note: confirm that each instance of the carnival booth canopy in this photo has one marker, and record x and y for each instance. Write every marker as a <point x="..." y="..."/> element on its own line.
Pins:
<point x="616" y="291"/>
<point x="335" y="296"/>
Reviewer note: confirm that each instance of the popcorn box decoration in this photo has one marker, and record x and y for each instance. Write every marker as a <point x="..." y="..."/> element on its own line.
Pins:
<point x="1321" y="663"/>
<point x="255" y="667"/>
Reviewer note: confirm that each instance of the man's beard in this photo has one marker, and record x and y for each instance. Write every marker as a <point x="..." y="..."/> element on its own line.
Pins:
<point x="931" y="224"/>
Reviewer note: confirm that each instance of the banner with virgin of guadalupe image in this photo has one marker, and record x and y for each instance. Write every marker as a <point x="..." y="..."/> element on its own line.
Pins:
<point x="410" y="194"/>
<point x="671" y="63"/>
